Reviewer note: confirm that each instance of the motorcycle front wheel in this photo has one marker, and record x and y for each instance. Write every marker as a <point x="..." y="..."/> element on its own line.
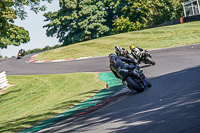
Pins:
<point x="133" y="85"/>
<point x="148" y="82"/>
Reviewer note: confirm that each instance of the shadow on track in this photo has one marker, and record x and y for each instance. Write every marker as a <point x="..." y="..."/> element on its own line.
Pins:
<point x="171" y="105"/>
<point x="144" y="66"/>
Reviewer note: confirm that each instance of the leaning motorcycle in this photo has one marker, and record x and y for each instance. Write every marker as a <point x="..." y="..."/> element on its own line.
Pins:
<point x="144" y="57"/>
<point x="120" y="51"/>
<point x="134" y="79"/>
<point x="123" y="52"/>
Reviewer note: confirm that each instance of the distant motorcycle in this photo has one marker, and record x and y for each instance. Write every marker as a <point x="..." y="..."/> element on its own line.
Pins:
<point x="21" y="53"/>
<point x="19" y="56"/>
<point x="143" y="56"/>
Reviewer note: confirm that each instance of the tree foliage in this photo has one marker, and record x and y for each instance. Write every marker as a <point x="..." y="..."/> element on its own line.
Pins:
<point x="123" y="25"/>
<point x="113" y="11"/>
<point x="76" y="21"/>
<point x="158" y="12"/>
<point x="46" y="48"/>
<point x="80" y="20"/>
<point x="11" y="34"/>
<point x="152" y="12"/>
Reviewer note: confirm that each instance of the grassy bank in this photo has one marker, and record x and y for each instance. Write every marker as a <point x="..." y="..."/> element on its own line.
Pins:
<point x="169" y="36"/>
<point x="36" y="98"/>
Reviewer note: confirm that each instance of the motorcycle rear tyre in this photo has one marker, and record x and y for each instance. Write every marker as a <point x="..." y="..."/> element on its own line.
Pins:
<point x="133" y="85"/>
<point x="152" y="62"/>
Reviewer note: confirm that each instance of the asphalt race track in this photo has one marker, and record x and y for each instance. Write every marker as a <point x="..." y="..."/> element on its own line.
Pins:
<point x="19" y="67"/>
<point x="171" y="105"/>
<point x="168" y="60"/>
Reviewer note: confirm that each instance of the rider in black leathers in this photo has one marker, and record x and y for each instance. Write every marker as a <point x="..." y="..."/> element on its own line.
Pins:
<point x="118" y="63"/>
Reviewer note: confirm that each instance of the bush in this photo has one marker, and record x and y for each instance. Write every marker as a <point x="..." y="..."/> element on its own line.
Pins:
<point x="46" y="48"/>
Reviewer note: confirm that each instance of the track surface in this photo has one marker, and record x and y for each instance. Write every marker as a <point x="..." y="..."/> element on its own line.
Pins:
<point x="19" y="67"/>
<point x="172" y="104"/>
<point x="168" y="60"/>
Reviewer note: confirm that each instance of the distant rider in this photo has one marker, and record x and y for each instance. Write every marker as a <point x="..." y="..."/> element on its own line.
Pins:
<point x="137" y="52"/>
<point x="22" y="52"/>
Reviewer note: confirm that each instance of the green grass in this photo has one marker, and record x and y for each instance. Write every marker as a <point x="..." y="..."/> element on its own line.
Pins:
<point x="162" y="37"/>
<point x="36" y="98"/>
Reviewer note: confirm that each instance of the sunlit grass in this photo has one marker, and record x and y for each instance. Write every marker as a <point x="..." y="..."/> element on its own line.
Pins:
<point x="36" y="98"/>
<point x="162" y="37"/>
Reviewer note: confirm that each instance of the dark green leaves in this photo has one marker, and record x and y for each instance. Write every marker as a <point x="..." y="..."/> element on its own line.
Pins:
<point x="76" y="21"/>
<point x="11" y="34"/>
<point x="80" y="20"/>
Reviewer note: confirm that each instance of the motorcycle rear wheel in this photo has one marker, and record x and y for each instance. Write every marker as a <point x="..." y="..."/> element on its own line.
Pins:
<point x="133" y="85"/>
<point x="152" y="62"/>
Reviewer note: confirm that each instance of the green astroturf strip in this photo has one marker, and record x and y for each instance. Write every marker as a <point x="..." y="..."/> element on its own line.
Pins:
<point x="115" y="86"/>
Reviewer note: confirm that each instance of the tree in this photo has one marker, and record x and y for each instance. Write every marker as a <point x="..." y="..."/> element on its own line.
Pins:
<point x="76" y="21"/>
<point x="113" y="11"/>
<point x="178" y="8"/>
<point x="149" y="13"/>
<point x="11" y="34"/>
<point x="159" y="11"/>
<point x="47" y="48"/>
<point x="123" y="25"/>
<point x="80" y="20"/>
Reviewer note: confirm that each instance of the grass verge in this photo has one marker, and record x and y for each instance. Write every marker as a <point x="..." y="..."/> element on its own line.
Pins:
<point x="162" y="37"/>
<point x="36" y="98"/>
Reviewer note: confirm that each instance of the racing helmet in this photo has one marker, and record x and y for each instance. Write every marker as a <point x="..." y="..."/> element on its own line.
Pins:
<point x="132" y="47"/>
<point x="112" y="58"/>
